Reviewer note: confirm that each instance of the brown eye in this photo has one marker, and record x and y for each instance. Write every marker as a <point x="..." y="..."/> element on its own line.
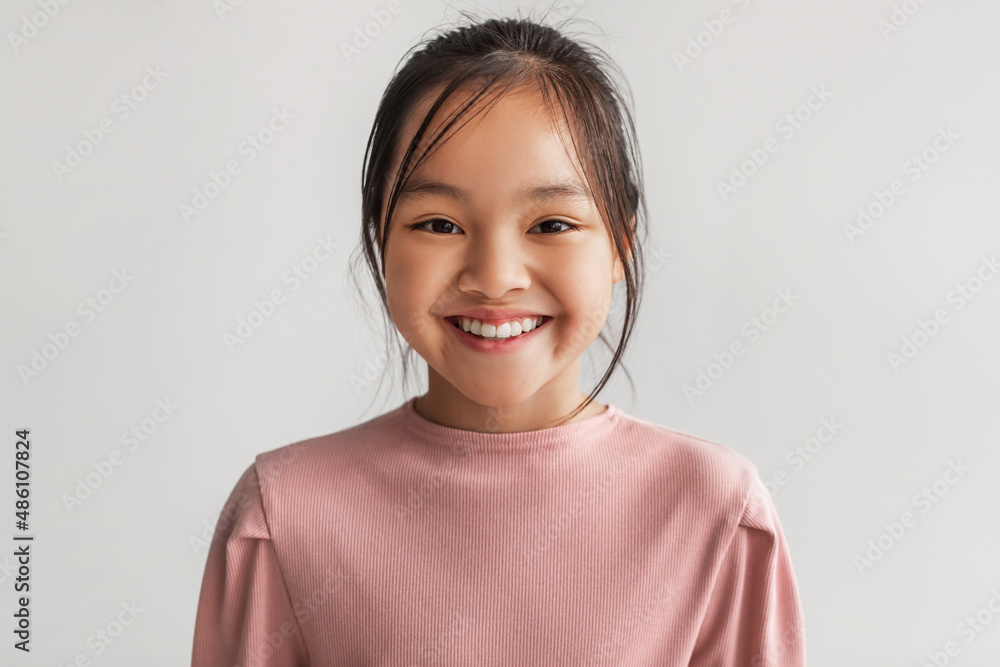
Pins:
<point x="562" y="225"/>
<point x="446" y="226"/>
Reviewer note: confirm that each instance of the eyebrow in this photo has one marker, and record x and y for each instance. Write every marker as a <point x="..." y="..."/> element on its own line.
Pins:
<point x="420" y="187"/>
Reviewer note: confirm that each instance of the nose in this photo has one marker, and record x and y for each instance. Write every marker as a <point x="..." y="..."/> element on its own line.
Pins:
<point x="495" y="263"/>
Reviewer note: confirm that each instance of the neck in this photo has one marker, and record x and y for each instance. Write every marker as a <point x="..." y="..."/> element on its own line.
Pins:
<point x="445" y="405"/>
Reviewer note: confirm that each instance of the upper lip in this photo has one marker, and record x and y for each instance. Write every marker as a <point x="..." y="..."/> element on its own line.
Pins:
<point x="487" y="316"/>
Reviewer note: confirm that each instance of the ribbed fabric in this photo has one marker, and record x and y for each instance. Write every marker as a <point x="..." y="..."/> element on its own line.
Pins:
<point x="399" y="542"/>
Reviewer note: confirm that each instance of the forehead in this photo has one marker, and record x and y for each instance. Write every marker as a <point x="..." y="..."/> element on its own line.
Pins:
<point x="514" y="134"/>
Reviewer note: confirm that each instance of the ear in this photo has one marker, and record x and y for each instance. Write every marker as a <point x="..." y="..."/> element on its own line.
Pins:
<point x="618" y="272"/>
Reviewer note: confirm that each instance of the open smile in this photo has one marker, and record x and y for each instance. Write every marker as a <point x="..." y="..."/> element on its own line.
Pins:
<point x="504" y="338"/>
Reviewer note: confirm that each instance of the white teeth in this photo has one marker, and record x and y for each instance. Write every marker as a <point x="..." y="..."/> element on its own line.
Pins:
<point x="499" y="332"/>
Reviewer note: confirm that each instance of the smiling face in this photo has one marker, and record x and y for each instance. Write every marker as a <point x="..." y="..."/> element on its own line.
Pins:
<point x="498" y="224"/>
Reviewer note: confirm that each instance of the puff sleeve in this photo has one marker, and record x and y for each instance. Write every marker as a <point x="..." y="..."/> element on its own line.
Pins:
<point x="754" y="616"/>
<point x="245" y="616"/>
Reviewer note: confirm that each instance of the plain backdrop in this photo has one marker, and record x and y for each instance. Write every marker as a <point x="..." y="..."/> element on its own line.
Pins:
<point x="765" y="125"/>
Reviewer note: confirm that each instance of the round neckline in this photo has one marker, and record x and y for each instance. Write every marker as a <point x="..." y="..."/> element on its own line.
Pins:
<point x="545" y="438"/>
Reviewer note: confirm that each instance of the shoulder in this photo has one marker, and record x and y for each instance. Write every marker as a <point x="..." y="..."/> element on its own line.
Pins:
<point x="323" y="457"/>
<point x="706" y="476"/>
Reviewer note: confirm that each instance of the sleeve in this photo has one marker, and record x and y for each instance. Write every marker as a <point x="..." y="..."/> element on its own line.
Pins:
<point x="754" y="616"/>
<point x="245" y="616"/>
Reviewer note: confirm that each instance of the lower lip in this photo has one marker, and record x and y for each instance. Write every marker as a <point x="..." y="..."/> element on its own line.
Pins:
<point x="512" y="344"/>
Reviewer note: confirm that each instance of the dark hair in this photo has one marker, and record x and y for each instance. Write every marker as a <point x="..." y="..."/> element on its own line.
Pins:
<point x="501" y="55"/>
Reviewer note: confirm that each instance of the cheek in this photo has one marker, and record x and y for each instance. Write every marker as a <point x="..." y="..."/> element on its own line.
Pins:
<point x="406" y="312"/>
<point x="584" y="291"/>
<point x="402" y="294"/>
<point x="584" y="277"/>
<point x="412" y="282"/>
<point x="405" y="265"/>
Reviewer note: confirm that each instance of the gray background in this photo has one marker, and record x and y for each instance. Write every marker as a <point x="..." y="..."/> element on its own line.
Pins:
<point x="715" y="263"/>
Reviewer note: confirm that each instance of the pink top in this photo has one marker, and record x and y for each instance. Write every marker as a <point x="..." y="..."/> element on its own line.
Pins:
<point x="399" y="541"/>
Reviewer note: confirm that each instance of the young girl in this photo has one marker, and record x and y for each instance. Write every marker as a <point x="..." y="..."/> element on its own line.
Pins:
<point x="503" y="517"/>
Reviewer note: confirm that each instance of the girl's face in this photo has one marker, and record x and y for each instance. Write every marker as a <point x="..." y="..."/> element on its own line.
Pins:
<point x="497" y="224"/>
